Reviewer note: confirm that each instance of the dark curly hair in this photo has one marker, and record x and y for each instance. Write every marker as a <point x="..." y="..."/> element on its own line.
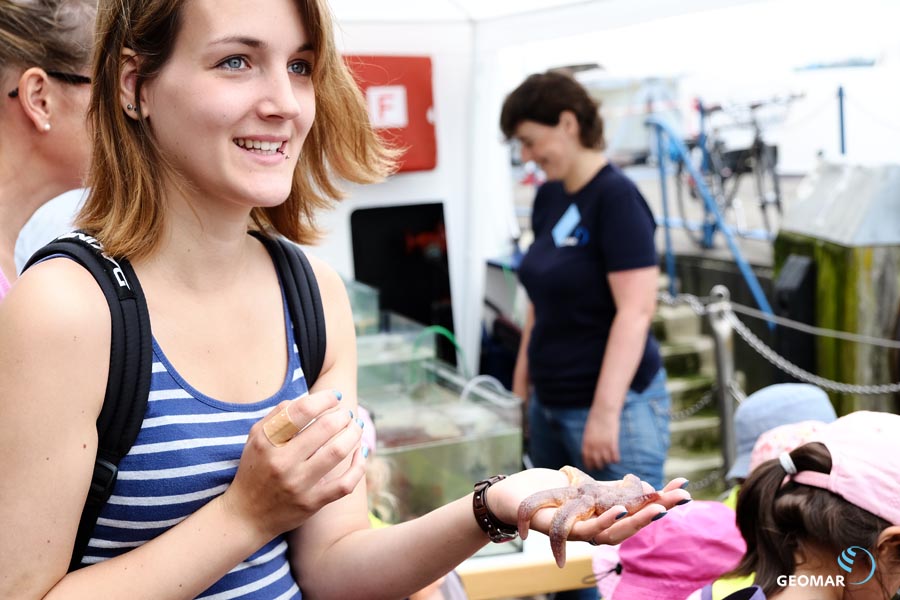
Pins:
<point x="543" y="97"/>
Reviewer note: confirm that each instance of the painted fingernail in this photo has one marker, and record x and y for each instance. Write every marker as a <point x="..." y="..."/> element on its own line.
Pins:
<point x="351" y="414"/>
<point x="659" y="516"/>
<point x="685" y="484"/>
<point x="365" y="451"/>
<point x="621" y="514"/>
<point x="337" y="394"/>
<point x="683" y="502"/>
<point x="361" y="423"/>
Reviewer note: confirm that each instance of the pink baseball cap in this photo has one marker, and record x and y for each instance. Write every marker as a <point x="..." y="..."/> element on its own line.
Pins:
<point x="606" y="568"/>
<point x="783" y="438"/>
<point x="865" y="463"/>
<point x="689" y="548"/>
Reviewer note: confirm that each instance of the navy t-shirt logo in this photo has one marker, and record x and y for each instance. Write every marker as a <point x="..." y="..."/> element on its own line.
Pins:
<point x="567" y="231"/>
<point x="566" y="225"/>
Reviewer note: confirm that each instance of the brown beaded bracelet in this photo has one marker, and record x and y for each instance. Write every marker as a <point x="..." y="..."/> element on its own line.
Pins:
<point x="496" y="529"/>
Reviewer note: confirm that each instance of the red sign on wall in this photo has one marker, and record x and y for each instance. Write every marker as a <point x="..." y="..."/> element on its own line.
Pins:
<point x="399" y="98"/>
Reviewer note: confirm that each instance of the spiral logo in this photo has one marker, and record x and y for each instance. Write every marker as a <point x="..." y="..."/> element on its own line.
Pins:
<point x="848" y="557"/>
<point x="582" y="235"/>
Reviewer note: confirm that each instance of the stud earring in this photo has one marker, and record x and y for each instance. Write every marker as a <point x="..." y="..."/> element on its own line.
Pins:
<point x="130" y="107"/>
<point x="46" y="126"/>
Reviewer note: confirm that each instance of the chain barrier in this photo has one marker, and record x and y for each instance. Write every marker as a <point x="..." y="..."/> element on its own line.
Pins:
<point x="791" y="369"/>
<point x="690" y="411"/>
<point x="715" y="476"/>
<point x="812" y="330"/>
<point x="695" y="302"/>
<point x="791" y="125"/>
<point x="878" y="119"/>
<point x="736" y="392"/>
<point x="699" y="307"/>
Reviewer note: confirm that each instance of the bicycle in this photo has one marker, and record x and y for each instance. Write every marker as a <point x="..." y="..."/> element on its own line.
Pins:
<point x="723" y="170"/>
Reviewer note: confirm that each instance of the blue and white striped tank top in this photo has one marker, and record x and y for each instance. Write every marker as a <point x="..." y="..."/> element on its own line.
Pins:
<point x="186" y="454"/>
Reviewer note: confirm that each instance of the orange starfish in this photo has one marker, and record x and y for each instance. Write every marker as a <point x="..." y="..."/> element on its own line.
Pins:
<point x="581" y="500"/>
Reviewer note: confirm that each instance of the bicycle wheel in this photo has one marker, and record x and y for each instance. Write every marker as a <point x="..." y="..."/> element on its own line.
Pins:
<point x="684" y="188"/>
<point x="768" y="188"/>
<point x="722" y="182"/>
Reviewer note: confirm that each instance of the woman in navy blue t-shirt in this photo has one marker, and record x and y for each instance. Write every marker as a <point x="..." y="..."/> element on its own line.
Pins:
<point x="599" y="400"/>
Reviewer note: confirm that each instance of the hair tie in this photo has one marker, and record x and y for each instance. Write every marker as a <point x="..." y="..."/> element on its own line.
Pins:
<point x="787" y="463"/>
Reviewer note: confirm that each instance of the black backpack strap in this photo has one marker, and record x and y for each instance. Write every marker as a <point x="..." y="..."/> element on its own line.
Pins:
<point x="303" y="300"/>
<point x="130" y="363"/>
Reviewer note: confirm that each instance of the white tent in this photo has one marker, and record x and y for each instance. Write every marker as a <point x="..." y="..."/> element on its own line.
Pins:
<point x="480" y="50"/>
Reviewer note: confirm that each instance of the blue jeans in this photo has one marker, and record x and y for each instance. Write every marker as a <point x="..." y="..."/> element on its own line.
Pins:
<point x="556" y="434"/>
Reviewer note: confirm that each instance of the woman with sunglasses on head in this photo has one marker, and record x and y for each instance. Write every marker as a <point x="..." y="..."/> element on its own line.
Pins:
<point x="211" y="119"/>
<point x="45" y="52"/>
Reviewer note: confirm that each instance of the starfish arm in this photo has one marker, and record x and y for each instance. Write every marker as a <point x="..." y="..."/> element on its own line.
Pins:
<point x="535" y="502"/>
<point x="565" y="518"/>
<point x="576" y="476"/>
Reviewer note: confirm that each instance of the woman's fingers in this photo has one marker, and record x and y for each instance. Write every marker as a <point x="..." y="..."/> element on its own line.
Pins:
<point x="291" y="417"/>
<point x="608" y="529"/>
<point x="674" y="493"/>
<point x="613" y="525"/>
<point x="324" y="439"/>
<point x="679" y="483"/>
<point x="611" y="528"/>
<point x="337" y="484"/>
<point x="280" y="428"/>
<point x="284" y="485"/>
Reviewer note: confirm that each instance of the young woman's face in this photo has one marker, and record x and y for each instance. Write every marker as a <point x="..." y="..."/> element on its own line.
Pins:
<point x="551" y="147"/>
<point x="232" y="106"/>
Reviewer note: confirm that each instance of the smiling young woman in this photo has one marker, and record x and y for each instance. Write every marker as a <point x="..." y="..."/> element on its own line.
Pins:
<point x="212" y="118"/>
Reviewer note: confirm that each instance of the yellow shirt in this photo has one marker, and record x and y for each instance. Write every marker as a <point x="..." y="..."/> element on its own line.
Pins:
<point x="731" y="499"/>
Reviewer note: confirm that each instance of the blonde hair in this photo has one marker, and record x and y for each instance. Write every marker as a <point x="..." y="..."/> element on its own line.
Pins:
<point x="382" y="503"/>
<point x="51" y="34"/>
<point x="125" y="208"/>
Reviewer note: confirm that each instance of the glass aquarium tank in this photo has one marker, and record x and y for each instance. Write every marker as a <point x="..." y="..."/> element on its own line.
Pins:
<point x="441" y="434"/>
<point x="365" y="304"/>
<point x="392" y="360"/>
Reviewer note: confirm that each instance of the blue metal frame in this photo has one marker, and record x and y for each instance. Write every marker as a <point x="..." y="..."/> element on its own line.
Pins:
<point x="662" y="130"/>
<point x="709" y="226"/>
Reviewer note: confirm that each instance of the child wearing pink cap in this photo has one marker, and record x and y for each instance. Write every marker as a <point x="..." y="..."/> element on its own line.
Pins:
<point x="769" y="445"/>
<point x="823" y="521"/>
<point x="667" y="560"/>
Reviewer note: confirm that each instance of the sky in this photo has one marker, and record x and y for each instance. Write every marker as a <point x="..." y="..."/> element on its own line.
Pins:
<point x="751" y="52"/>
<point x="754" y="39"/>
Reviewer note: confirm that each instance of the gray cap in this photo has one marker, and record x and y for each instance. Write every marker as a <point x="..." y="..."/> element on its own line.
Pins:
<point x="775" y="405"/>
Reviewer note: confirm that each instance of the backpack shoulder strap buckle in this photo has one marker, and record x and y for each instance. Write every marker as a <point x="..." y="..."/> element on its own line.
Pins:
<point x="105" y="474"/>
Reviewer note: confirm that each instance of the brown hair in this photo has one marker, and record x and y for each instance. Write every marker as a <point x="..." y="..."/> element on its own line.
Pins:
<point x="781" y="522"/>
<point x="125" y="207"/>
<point x="543" y="97"/>
<point x="51" y="34"/>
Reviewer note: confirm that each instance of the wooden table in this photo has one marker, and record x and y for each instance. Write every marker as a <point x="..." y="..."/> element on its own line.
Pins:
<point x="527" y="573"/>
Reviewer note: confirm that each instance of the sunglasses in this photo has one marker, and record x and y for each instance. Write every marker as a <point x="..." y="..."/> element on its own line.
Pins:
<point x="67" y="77"/>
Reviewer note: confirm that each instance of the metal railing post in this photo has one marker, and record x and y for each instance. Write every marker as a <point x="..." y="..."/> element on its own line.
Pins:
<point x="724" y="350"/>
<point x="842" y="130"/>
